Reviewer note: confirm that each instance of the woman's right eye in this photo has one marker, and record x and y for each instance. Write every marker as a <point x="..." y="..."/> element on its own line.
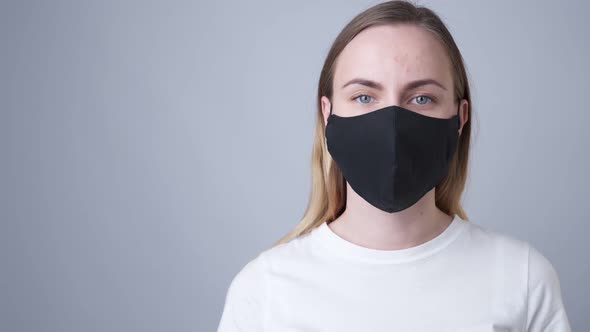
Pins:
<point x="361" y="100"/>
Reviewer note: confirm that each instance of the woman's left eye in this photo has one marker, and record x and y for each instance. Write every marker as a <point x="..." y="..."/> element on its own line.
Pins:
<point x="422" y="98"/>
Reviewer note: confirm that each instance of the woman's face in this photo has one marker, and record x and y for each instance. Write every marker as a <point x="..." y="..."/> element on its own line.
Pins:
<point x="402" y="65"/>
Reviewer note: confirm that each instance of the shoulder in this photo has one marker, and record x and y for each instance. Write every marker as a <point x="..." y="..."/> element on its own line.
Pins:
<point x="245" y="298"/>
<point x="545" y="306"/>
<point x="529" y="267"/>
<point x="539" y="270"/>
<point x="542" y="273"/>
<point x="538" y="267"/>
<point x="291" y="254"/>
<point x="530" y="270"/>
<point x="505" y="247"/>
<point x="250" y="274"/>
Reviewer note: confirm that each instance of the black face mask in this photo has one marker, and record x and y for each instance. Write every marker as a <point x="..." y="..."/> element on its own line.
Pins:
<point x="392" y="156"/>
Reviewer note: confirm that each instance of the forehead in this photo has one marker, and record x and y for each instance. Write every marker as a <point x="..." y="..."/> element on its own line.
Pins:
<point x="393" y="55"/>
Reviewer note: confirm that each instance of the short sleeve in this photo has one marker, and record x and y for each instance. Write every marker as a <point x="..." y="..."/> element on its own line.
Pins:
<point x="545" y="310"/>
<point x="245" y="299"/>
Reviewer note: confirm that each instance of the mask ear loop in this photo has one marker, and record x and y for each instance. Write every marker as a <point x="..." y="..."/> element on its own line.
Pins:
<point x="326" y="137"/>
<point x="458" y="113"/>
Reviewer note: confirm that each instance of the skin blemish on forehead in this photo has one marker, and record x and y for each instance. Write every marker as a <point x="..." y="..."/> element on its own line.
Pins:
<point x="393" y="52"/>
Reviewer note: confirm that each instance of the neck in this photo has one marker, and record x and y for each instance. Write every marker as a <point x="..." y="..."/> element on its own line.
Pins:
<point x="368" y="226"/>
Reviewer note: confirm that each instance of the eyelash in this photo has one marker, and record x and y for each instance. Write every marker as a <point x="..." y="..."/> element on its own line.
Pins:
<point x="432" y="99"/>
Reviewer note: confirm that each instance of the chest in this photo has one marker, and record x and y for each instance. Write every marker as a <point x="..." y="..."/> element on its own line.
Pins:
<point x="455" y="297"/>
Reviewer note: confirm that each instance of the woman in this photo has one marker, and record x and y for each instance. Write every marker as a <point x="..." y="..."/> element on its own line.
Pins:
<point x="384" y="244"/>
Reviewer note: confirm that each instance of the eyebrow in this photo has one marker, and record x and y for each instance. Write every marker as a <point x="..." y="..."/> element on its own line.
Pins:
<point x="409" y="86"/>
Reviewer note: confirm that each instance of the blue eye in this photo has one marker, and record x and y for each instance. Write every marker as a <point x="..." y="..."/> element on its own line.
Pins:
<point x="422" y="98"/>
<point x="357" y="98"/>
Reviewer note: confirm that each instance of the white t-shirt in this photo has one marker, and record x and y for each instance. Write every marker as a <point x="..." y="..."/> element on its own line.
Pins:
<point x="467" y="279"/>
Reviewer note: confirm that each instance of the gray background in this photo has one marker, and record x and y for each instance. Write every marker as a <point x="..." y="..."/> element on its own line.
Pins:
<point x="151" y="149"/>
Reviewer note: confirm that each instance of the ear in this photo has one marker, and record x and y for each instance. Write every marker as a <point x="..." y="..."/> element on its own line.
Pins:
<point x="463" y="113"/>
<point x="325" y="103"/>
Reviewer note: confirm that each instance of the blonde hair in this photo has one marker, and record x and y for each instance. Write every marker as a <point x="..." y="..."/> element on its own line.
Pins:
<point x="327" y="197"/>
